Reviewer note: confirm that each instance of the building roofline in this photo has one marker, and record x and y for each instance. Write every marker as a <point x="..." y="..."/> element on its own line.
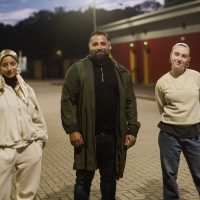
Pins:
<point x="185" y="10"/>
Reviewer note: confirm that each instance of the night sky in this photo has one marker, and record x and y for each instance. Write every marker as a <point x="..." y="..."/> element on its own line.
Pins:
<point x="12" y="11"/>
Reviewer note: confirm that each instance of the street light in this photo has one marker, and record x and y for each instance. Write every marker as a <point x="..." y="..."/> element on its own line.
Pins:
<point x="94" y="16"/>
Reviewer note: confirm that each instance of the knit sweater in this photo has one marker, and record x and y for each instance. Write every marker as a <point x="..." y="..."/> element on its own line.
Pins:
<point x="178" y="99"/>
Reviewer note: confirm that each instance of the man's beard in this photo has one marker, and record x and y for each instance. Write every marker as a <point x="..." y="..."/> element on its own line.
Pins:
<point x="100" y="58"/>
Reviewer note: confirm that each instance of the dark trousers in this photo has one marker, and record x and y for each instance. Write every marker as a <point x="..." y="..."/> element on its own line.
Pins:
<point x="170" y="150"/>
<point x="105" y="156"/>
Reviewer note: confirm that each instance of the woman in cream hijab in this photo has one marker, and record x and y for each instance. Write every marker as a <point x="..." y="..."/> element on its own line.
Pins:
<point x="22" y="131"/>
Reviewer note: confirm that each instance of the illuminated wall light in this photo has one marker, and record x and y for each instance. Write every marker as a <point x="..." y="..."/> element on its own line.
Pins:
<point x="59" y="52"/>
<point x="146" y="43"/>
<point x="110" y="48"/>
<point x="182" y="38"/>
<point x="131" y="45"/>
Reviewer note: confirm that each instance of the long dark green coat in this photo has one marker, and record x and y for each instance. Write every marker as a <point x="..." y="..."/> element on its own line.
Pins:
<point x="78" y="112"/>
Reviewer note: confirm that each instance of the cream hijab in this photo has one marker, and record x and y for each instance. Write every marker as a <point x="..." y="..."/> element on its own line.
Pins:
<point x="21" y="88"/>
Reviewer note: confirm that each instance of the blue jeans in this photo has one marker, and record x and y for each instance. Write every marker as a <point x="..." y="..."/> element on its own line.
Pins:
<point x="105" y="156"/>
<point x="170" y="150"/>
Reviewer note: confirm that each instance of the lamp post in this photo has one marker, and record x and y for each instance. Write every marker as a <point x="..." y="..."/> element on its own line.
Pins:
<point x="94" y="17"/>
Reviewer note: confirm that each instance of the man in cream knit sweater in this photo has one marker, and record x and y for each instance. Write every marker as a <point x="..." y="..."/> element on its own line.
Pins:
<point x="178" y="99"/>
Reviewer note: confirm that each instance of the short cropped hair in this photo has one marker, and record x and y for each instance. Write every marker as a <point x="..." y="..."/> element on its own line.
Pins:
<point x="100" y="32"/>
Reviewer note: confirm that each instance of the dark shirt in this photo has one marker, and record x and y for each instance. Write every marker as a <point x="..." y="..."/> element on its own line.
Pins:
<point x="107" y="97"/>
<point x="180" y="131"/>
<point x="12" y="82"/>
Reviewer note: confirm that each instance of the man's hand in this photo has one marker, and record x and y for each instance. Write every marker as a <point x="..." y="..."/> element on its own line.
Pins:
<point x="76" y="139"/>
<point x="130" y="141"/>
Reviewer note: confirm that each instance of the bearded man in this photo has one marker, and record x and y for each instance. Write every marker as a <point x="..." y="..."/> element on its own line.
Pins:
<point x="98" y="111"/>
